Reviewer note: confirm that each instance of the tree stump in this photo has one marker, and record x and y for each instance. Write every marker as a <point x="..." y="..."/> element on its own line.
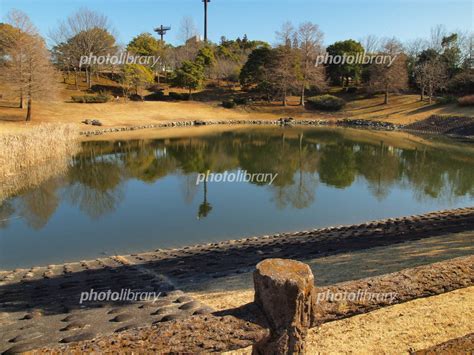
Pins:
<point x="284" y="290"/>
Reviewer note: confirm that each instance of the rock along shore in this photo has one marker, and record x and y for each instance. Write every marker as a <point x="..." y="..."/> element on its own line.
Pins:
<point x="456" y="126"/>
<point x="280" y="122"/>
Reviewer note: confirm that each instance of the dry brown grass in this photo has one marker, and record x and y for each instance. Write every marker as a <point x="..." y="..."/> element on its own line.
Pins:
<point x="30" y="157"/>
<point x="401" y="109"/>
<point x="397" y="329"/>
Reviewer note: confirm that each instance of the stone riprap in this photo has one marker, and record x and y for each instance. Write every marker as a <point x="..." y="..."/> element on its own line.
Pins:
<point x="244" y="326"/>
<point x="40" y="306"/>
<point x="379" y="125"/>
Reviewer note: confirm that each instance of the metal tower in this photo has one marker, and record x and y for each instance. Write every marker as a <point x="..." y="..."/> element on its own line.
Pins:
<point x="162" y="31"/>
<point x="205" y="19"/>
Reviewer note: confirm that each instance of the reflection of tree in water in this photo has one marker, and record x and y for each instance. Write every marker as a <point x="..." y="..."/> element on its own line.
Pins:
<point x="205" y="207"/>
<point x="437" y="173"/>
<point x="189" y="187"/>
<point x="96" y="176"/>
<point x="95" y="185"/>
<point x="301" y="193"/>
<point x="148" y="162"/>
<point x="380" y="166"/>
<point x="269" y="154"/>
<point x="6" y="213"/>
<point x="338" y="165"/>
<point x="199" y="158"/>
<point x="37" y="206"/>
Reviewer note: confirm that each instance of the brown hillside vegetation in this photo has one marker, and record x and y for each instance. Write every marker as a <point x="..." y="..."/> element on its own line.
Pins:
<point x="402" y="109"/>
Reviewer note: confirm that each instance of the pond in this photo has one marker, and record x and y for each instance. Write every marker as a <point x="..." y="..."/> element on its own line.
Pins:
<point x="127" y="196"/>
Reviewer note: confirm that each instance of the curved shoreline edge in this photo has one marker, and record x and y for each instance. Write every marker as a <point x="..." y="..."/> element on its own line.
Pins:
<point x="318" y="242"/>
<point x="351" y="123"/>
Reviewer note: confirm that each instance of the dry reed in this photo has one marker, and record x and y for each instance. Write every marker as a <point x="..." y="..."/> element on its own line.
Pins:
<point x="29" y="158"/>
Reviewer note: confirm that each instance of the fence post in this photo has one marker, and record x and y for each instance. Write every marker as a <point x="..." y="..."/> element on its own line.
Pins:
<point x="284" y="290"/>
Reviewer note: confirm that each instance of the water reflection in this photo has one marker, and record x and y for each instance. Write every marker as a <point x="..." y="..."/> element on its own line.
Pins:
<point x="302" y="159"/>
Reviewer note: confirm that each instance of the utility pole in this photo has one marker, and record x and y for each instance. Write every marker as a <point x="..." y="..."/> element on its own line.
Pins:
<point x="205" y="19"/>
<point x="162" y="31"/>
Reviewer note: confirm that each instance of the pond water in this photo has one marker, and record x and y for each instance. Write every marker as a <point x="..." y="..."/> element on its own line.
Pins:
<point x="128" y="196"/>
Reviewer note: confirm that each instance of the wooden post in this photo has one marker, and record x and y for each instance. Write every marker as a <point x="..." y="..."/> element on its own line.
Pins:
<point x="284" y="290"/>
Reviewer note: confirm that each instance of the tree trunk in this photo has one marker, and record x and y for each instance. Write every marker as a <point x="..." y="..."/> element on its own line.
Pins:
<point x="28" y="110"/>
<point x="89" y="79"/>
<point x="284" y="292"/>
<point x="302" y="95"/>
<point x="75" y="79"/>
<point x="21" y="98"/>
<point x="386" y="98"/>
<point x="422" y="94"/>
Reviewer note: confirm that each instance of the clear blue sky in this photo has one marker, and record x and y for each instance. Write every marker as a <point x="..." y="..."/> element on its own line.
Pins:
<point x="259" y="19"/>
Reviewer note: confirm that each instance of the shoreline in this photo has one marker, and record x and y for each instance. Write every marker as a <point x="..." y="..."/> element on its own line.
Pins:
<point x="46" y="298"/>
<point x="350" y="237"/>
<point x="347" y="123"/>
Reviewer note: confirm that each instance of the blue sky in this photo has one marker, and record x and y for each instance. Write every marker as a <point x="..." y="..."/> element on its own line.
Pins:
<point x="259" y="19"/>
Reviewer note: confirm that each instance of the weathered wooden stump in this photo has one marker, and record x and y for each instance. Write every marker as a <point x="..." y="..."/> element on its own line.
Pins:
<point x="284" y="290"/>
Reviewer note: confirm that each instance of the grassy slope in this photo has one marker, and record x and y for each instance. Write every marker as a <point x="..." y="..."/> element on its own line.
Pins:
<point x="401" y="109"/>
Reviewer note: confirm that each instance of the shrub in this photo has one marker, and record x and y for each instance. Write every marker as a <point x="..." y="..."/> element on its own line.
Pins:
<point x="135" y="97"/>
<point x="447" y="100"/>
<point x="156" y="96"/>
<point x="326" y="102"/>
<point x="462" y="83"/>
<point x="240" y="101"/>
<point x="90" y="99"/>
<point x="351" y="90"/>
<point x="174" y="95"/>
<point x="212" y="85"/>
<point x="155" y="88"/>
<point x="178" y="96"/>
<point x="228" y="104"/>
<point x="466" y="100"/>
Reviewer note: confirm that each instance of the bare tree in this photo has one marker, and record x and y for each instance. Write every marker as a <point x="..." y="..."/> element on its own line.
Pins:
<point x="438" y="32"/>
<point x="416" y="46"/>
<point x="28" y="69"/>
<point x="390" y="77"/>
<point x="225" y="69"/>
<point x="283" y="71"/>
<point x="14" y="41"/>
<point x="310" y="45"/>
<point x="187" y="29"/>
<point x="83" y="33"/>
<point x="430" y="75"/>
<point x="371" y="43"/>
<point x="466" y="44"/>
